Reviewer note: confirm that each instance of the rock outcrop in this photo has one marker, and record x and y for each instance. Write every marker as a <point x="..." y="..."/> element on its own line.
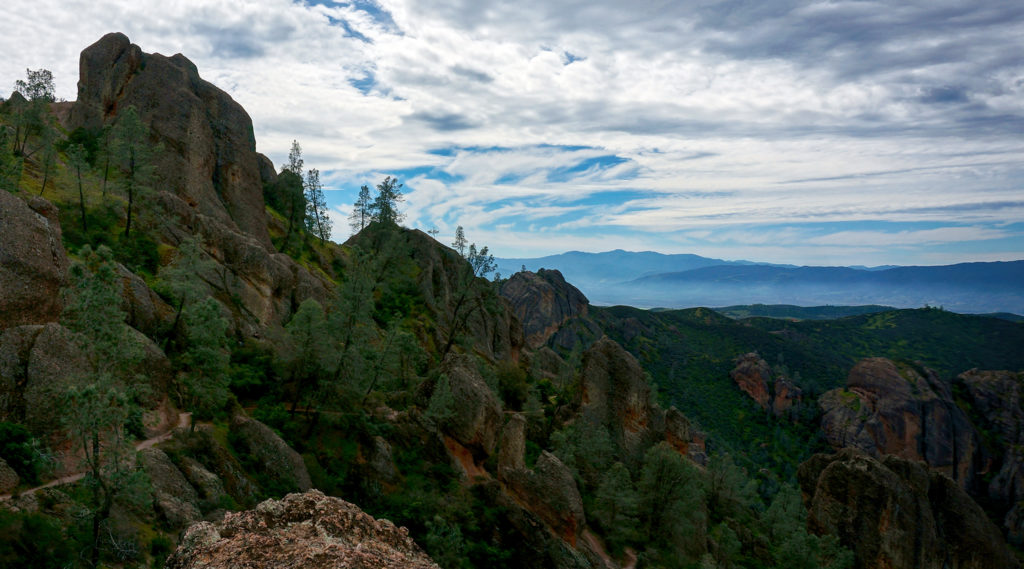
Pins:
<point x="33" y="264"/>
<point x="896" y="513"/>
<point x="615" y="394"/>
<point x="174" y="498"/>
<point x="543" y="302"/>
<point x="300" y="530"/>
<point x="209" y="152"/>
<point x="270" y="454"/>
<point x="996" y="398"/>
<point x="8" y="477"/>
<point x="475" y="420"/>
<point x="754" y="377"/>
<point x="905" y="411"/>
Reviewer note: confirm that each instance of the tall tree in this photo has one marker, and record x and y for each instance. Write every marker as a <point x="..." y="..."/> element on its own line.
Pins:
<point x="134" y="155"/>
<point x="182" y="278"/>
<point x="317" y="221"/>
<point x="385" y="205"/>
<point x="460" y="241"/>
<point x="306" y="350"/>
<point x="76" y="157"/>
<point x="361" y="210"/>
<point x="31" y="117"/>
<point x="295" y="161"/>
<point x="99" y="406"/>
<point x="203" y="381"/>
<point x="672" y="511"/>
<point x="617" y="506"/>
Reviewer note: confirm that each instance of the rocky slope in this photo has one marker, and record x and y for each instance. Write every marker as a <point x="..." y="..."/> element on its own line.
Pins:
<point x="300" y="530"/>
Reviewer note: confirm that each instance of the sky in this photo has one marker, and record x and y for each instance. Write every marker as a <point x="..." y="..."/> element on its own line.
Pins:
<point x="819" y="133"/>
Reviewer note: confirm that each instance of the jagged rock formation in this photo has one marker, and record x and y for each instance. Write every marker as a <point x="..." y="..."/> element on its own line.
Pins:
<point x="899" y="410"/>
<point x="300" y="530"/>
<point x="543" y="302"/>
<point x="209" y="155"/>
<point x="896" y="513"/>
<point x="996" y="400"/>
<point x="754" y="377"/>
<point x="210" y="180"/>
<point x="8" y="477"/>
<point x="33" y="264"/>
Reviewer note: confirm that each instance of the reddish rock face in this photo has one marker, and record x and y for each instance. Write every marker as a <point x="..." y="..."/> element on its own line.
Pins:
<point x="33" y="264"/>
<point x="209" y="151"/>
<point x="889" y="409"/>
<point x="543" y="301"/>
<point x="615" y="394"/>
<point x="754" y="377"/>
<point x="301" y="530"/>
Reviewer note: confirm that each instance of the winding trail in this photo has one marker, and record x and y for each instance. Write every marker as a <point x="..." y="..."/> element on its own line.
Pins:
<point x="183" y="421"/>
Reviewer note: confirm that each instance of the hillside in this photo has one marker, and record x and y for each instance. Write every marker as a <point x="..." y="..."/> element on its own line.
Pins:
<point x="466" y="422"/>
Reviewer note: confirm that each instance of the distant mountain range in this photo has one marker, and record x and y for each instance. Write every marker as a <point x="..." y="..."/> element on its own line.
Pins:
<point x="648" y="279"/>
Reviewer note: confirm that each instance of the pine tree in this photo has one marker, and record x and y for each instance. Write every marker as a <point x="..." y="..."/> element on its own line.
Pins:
<point x="133" y="155"/>
<point x="616" y="506"/>
<point x="295" y="161"/>
<point x="203" y="383"/>
<point x="385" y="205"/>
<point x="460" y="241"/>
<point x="361" y="211"/>
<point x="76" y="157"/>
<point x="101" y="403"/>
<point x="306" y="350"/>
<point x="317" y="221"/>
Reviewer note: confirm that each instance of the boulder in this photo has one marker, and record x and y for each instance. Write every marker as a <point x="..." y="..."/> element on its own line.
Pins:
<point x="209" y="151"/>
<point x="906" y="411"/>
<point x="897" y="513"/>
<point x="300" y="530"/>
<point x="144" y="309"/>
<point x="174" y="498"/>
<point x="9" y="479"/>
<point x="269" y="453"/>
<point x="543" y="302"/>
<point x="33" y="264"/>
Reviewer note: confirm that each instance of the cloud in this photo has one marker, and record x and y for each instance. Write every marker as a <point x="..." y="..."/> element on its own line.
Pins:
<point x="600" y="122"/>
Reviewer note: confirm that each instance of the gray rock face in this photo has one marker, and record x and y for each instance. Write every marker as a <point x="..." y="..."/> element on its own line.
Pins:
<point x="209" y="157"/>
<point x="897" y="513"/>
<point x="33" y="264"/>
<point x="175" y="499"/>
<point x="270" y="453"/>
<point x="543" y="302"/>
<point x="899" y="410"/>
<point x="549" y="491"/>
<point x="301" y="530"/>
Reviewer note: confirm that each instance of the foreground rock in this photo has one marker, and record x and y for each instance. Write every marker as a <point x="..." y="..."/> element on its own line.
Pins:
<point x="897" y="513"/>
<point x="301" y="530"/>
<point x="895" y="409"/>
<point x="33" y="264"/>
